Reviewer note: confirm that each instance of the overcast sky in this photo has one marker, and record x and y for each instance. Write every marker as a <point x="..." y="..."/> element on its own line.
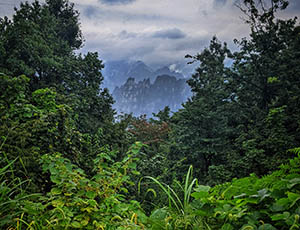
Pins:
<point x="158" y="32"/>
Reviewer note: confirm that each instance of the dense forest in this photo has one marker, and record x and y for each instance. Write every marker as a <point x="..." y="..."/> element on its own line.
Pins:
<point x="228" y="159"/>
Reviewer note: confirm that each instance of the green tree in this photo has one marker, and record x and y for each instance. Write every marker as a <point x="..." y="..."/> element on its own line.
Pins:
<point x="266" y="82"/>
<point x="40" y="41"/>
<point x="201" y="127"/>
<point x="244" y="116"/>
<point x="163" y="115"/>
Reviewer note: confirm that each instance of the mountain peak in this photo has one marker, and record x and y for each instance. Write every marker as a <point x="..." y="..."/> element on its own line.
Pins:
<point x="144" y="97"/>
<point x="116" y="72"/>
<point x="141" y="65"/>
<point x="164" y="68"/>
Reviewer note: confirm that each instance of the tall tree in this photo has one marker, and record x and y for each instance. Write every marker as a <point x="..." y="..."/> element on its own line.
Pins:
<point x="266" y="77"/>
<point x="244" y="116"/>
<point x="40" y="41"/>
<point x="201" y="126"/>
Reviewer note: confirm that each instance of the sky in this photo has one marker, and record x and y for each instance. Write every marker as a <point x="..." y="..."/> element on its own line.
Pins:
<point x="157" y="32"/>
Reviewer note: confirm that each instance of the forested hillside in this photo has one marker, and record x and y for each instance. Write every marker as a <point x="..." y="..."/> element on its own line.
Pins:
<point x="144" y="98"/>
<point x="228" y="159"/>
<point x="117" y="72"/>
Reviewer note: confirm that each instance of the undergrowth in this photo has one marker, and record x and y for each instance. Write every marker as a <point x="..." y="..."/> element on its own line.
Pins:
<point x="76" y="201"/>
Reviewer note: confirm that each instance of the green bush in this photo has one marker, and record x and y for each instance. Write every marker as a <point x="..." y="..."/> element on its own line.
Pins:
<point x="76" y="201"/>
<point x="270" y="202"/>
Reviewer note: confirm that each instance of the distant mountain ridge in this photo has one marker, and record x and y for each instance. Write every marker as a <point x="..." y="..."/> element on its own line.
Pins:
<point x="140" y="89"/>
<point x="143" y="97"/>
<point x="116" y="73"/>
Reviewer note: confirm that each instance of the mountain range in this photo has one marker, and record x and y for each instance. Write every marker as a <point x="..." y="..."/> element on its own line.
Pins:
<point x="117" y="72"/>
<point x="140" y="89"/>
<point x="143" y="97"/>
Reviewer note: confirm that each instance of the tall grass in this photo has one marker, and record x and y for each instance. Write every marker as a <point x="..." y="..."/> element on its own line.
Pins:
<point x="181" y="204"/>
<point x="11" y="194"/>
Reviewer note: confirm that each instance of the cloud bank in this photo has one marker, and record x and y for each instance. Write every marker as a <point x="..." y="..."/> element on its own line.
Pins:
<point x="158" y="32"/>
<point x="117" y="1"/>
<point x="170" y="34"/>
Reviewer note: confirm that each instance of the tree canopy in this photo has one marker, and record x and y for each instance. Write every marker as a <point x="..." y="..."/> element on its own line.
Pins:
<point x="243" y="115"/>
<point x="40" y="42"/>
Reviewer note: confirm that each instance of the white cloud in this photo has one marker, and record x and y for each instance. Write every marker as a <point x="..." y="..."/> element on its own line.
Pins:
<point x="141" y="29"/>
<point x="138" y="30"/>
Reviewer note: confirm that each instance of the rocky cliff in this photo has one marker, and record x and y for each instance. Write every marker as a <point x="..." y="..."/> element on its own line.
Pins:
<point x="144" y="97"/>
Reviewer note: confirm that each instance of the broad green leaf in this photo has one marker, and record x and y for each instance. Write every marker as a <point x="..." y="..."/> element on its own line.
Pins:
<point x="227" y="227"/>
<point x="132" y="165"/>
<point x="280" y="205"/>
<point x="92" y="203"/>
<point x="58" y="203"/>
<point x="282" y="216"/>
<point x="201" y="191"/>
<point x="159" y="214"/>
<point x="76" y="224"/>
<point x="69" y="167"/>
<point x="293" y="182"/>
<point x="134" y="172"/>
<point x="293" y="197"/>
<point x="266" y="227"/>
<point x="248" y="227"/>
<point x="85" y="222"/>
<point x="68" y="194"/>
<point x="227" y="207"/>
<point x="88" y="209"/>
<point x="201" y="212"/>
<point x="28" y="115"/>
<point x="202" y="188"/>
<point x="125" y="159"/>
<point x="125" y="190"/>
<point x="91" y="194"/>
<point x="55" y="179"/>
<point x="53" y="170"/>
<point x="55" y="191"/>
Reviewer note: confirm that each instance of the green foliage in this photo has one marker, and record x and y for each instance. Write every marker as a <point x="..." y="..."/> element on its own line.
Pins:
<point x="270" y="202"/>
<point x="12" y="191"/>
<point x="34" y="124"/>
<point x="180" y="205"/>
<point x="244" y="113"/>
<point x="58" y="136"/>
<point x="79" y="202"/>
<point x="76" y="201"/>
<point x="201" y="128"/>
<point x="45" y="99"/>
<point x="40" y="41"/>
<point x="155" y="161"/>
<point x="162" y="115"/>
<point x="10" y="198"/>
<point x="179" y="214"/>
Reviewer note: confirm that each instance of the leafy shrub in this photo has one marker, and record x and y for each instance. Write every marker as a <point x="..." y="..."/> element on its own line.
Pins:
<point x="270" y="202"/>
<point x="76" y="201"/>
